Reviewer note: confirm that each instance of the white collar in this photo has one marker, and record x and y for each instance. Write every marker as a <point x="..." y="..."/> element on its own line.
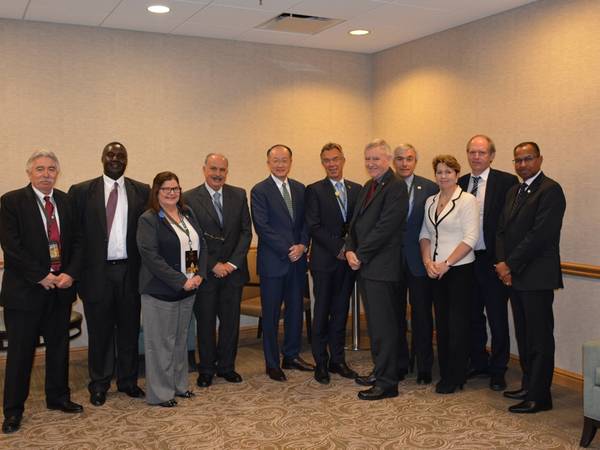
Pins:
<point x="531" y="180"/>
<point x="278" y="182"/>
<point x="109" y="182"/>
<point x="211" y="191"/>
<point x="41" y="195"/>
<point x="483" y="175"/>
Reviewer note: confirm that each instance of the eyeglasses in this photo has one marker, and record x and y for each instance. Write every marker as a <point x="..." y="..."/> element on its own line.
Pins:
<point x="525" y="159"/>
<point x="173" y="190"/>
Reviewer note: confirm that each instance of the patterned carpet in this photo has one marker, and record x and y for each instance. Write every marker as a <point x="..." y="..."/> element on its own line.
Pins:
<point x="260" y="413"/>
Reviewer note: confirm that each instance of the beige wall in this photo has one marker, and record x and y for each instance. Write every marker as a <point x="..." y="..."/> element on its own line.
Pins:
<point x="528" y="74"/>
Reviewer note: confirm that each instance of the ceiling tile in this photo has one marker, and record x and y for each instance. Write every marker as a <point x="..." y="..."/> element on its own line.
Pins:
<point x="81" y="12"/>
<point x="273" y="37"/>
<point x="278" y="6"/>
<point x="13" y="9"/>
<point x="334" y="9"/>
<point x="230" y="17"/>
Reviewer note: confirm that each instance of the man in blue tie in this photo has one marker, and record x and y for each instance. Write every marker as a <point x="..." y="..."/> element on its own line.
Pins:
<point x="329" y="207"/>
<point x="277" y="205"/>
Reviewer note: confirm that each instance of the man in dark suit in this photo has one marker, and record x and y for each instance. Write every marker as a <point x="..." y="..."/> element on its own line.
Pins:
<point x="489" y="186"/>
<point x="329" y="208"/>
<point x="42" y="257"/>
<point x="278" y="215"/>
<point x="417" y="283"/>
<point x="374" y="249"/>
<point x="222" y="211"/>
<point x="527" y="251"/>
<point x="108" y="208"/>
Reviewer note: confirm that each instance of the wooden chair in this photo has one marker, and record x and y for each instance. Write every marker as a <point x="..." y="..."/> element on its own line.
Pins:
<point x="251" y="305"/>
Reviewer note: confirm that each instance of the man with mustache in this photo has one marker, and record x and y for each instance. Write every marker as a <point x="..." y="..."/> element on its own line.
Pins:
<point x="108" y="208"/>
<point x="222" y="211"/>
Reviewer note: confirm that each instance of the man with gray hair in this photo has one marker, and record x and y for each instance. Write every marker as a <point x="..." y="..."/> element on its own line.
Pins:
<point x="416" y="284"/>
<point x="42" y="258"/>
<point x="222" y="211"/>
<point x="374" y="249"/>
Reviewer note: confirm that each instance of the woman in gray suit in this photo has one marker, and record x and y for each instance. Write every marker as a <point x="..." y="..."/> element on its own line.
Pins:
<point x="174" y="256"/>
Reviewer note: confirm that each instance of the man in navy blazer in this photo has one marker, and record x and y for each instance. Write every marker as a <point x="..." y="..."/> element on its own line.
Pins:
<point x="417" y="283"/>
<point x="42" y="257"/>
<point x="528" y="255"/>
<point x="329" y="207"/>
<point x="277" y="205"/>
<point x="489" y="186"/>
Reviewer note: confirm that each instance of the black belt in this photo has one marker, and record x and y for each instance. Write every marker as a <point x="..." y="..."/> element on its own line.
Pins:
<point x="114" y="262"/>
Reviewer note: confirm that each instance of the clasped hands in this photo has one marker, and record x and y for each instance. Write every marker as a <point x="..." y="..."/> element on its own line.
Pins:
<point x="296" y="252"/>
<point x="60" y="281"/>
<point x="221" y="270"/>
<point x="503" y="272"/>
<point x="436" y="269"/>
<point x="193" y="283"/>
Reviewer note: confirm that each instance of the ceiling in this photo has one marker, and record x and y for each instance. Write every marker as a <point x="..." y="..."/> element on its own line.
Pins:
<point x="391" y="22"/>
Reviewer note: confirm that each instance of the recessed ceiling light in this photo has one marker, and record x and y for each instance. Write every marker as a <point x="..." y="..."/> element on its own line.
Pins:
<point x="359" y="32"/>
<point x="159" y="9"/>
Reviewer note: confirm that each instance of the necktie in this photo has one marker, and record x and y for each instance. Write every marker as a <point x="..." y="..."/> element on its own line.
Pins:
<point x="111" y="207"/>
<point x="475" y="185"/>
<point x="520" y="198"/>
<point x="218" y="206"/>
<point x="341" y="195"/>
<point x="287" y="199"/>
<point x="371" y="192"/>
<point x="53" y="231"/>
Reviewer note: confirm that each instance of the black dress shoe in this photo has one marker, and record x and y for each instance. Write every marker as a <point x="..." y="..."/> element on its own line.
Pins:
<point x="519" y="394"/>
<point x="530" y="407"/>
<point x="204" y="380"/>
<point x="477" y="373"/>
<point x="424" y="378"/>
<point x="186" y="394"/>
<point x="98" y="398"/>
<point x="497" y="382"/>
<point x="275" y="373"/>
<point x="445" y="387"/>
<point x="321" y="374"/>
<point x="134" y="392"/>
<point x="231" y="376"/>
<point x="377" y="393"/>
<point x="342" y="370"/>
<point x="366" y="380"/>
<point x="66" y="406"/>
<point x="169" y="403"/>
<point x="11" y="424"/>
<point x="298" y="364"/>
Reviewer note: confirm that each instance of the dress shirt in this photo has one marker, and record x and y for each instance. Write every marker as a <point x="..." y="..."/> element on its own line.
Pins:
<point x="40" y="195"/>
<point x="458" y="222"/>
<point x="117" y="239"/>
<point x="530" y="180"/>
<point x="279" y="184"/>
<point x="333" y="183"/>
<point x="184" y="242"/>
<point x="411" y="192"/>
<point x="481" y="186"/>
<point x="212" y="193"/>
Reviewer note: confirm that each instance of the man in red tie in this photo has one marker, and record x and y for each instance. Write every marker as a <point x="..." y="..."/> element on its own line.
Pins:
<point x="42" y="257"/>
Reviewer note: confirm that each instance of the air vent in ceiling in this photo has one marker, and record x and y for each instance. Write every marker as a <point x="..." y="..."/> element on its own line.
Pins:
<point x="298" y="23"/>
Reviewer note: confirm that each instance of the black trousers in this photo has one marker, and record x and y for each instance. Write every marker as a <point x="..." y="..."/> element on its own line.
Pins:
<point x="113" y="331"/>
<point x="452" y="299"/>
<point x="332" y="292"/>
<point x="491" y="295"/>
<point x="221" y="301"/>
<point x="421" y="319"/>
<point x="386" y="313"/>
<point x="534" y="329"/>
<point x="23" y="329"/>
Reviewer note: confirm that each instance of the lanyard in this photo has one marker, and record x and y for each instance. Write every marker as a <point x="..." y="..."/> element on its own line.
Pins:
<point x="181" y="225"/>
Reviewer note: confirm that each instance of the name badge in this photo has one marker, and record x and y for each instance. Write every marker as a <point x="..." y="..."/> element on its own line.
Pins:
<point x="54" y="250"/>
<point x="191" y="261"/>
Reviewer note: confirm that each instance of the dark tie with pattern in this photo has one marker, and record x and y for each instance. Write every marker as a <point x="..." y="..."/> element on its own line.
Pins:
<point x="521" y="195"/>
<point x="475" y="185"/>
<point x="287" y="199"/>
<point x="371" y="192"/>
<point x="111" y="207"/>
<point x="53" y="231"/>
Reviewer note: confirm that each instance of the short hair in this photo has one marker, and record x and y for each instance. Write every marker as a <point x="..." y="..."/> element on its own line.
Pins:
<point x="215" y="154"/>
<point x="491" y="145"/>
<point x="332" y="146"/>
<point x="375" y="143"/>
<point x="158" y="181"/>
<point x="404" y="147"/>
<point x="113" y="144"/>
<point x="448" y="160"/>
<point x="279" y="145"/>
<point x="535" y="147"/>
<point x="41" y="154"/>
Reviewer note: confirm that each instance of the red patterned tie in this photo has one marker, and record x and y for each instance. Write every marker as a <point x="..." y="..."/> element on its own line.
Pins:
<point x="53" y="232"/>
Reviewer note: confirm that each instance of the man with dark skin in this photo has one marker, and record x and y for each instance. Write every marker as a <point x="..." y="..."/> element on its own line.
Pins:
<point x="108" y="208"/>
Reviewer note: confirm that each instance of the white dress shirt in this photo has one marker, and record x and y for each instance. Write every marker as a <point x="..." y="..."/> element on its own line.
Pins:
<point x="40" y="195"/>
<point x="481" y="186"/>
<point x="117" y="240"/>
<point x="279" y="184"/>
<point x="458" y="222"/>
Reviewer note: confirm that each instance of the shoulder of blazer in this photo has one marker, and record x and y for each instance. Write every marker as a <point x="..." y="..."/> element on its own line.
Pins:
<point x="296" y="184"/>
<point x="463" y="181"/>
<point x="138" y="185"/>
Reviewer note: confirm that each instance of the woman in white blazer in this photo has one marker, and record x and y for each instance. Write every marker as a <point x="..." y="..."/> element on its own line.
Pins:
<point x="449" y="233"/>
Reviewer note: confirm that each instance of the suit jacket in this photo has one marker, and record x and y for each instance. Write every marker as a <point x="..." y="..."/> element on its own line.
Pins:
<point x="229" y="243"/>
<point x="422" y="189"/>
<point x="25" y="246"/>
<point x="88" y="202"/>
<point x="160" y="249"/>
<point x="496" y="187"/>
<point x="529" y="236"/>
<point x="276" y="230"/>
<point x="326" y="225"/>
<point x="377" y="228"/>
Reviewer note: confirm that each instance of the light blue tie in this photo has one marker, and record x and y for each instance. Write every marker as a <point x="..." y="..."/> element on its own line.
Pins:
<point x="218" y="206"/>
<point x="342" y="200"/>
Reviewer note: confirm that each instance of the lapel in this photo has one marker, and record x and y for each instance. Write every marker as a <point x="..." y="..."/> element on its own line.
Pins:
<point x="333" y="198"/>
<point x="38" y="223"/>
<point x="97" y="194"/>
<point x="380" y="186"/>
<point x="228" y="205"/>
<point x="447" y="209"/>
<point x="276" y="193"/>
<point x="533" y="187"/>
<point x="131" y="201"/>
<point x="207" y="204"/>
<point x="490" y="194"/>
<point x="417" y="193"/>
